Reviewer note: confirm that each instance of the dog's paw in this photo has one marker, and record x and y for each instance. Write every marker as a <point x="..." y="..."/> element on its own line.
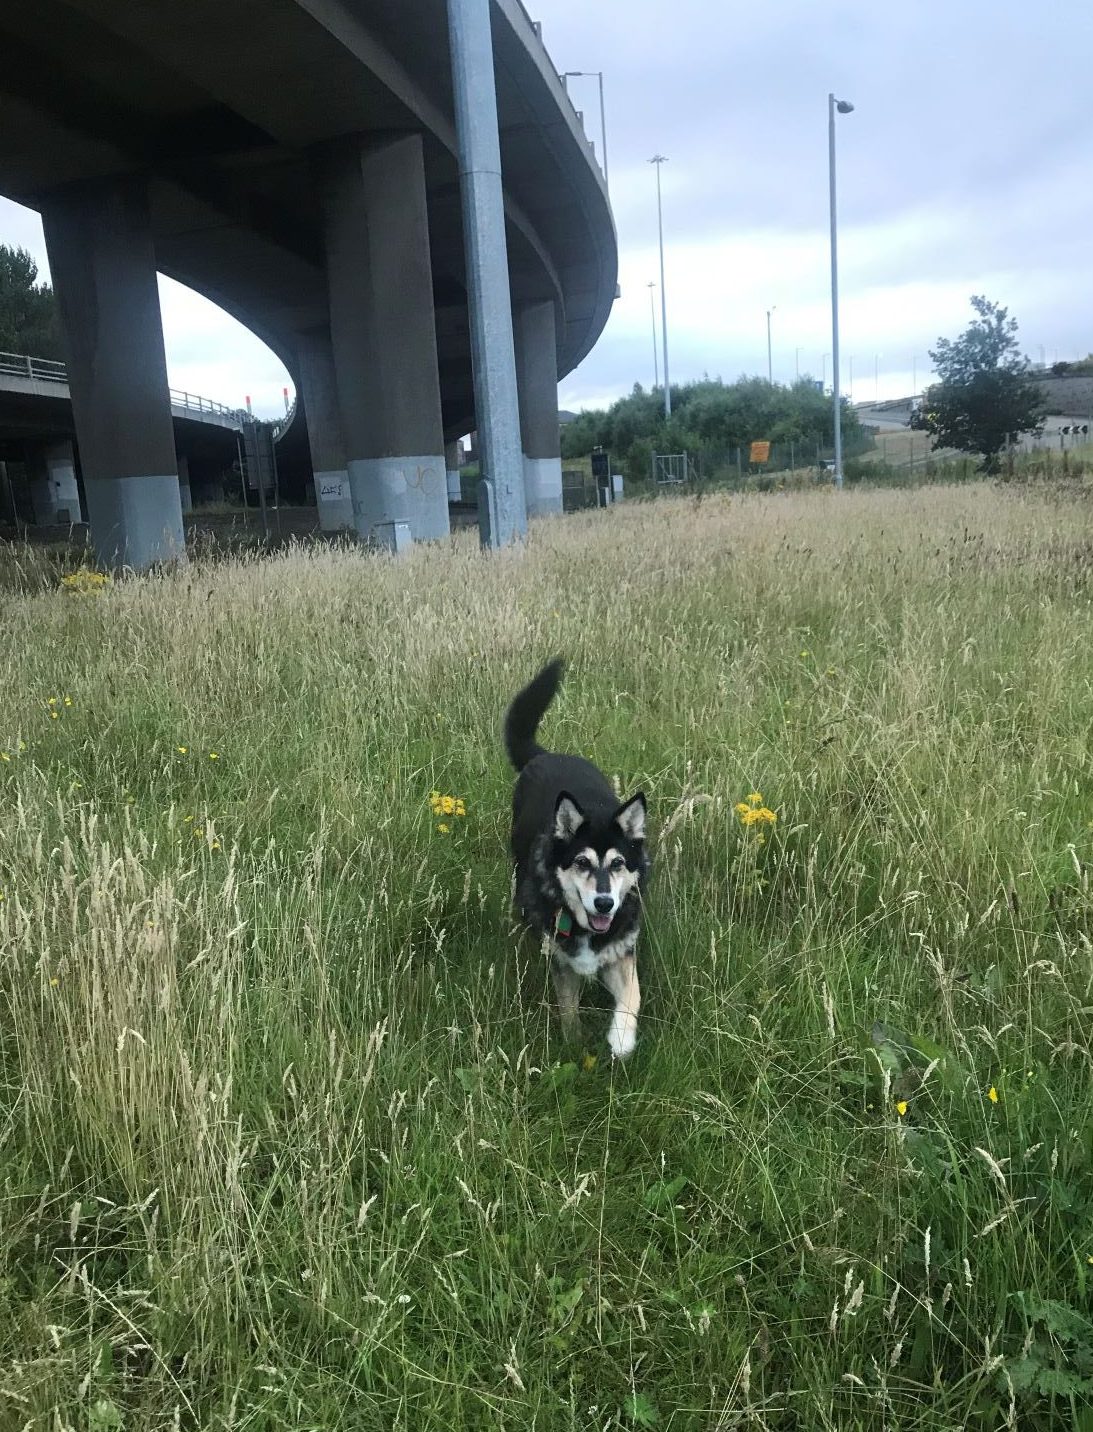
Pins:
<point x="622" y="1037"/>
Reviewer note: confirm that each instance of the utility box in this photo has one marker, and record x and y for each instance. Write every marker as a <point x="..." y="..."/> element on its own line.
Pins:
<point x="601" y="476"/>
<point x="394" y="536"/>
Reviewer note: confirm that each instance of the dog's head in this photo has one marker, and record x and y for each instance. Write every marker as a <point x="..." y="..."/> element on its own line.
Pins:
<point x="598" y="862"/>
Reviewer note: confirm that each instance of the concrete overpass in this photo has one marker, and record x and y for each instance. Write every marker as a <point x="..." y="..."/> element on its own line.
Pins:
<point x="296" y="163"/>
<point x="37" y="430"/>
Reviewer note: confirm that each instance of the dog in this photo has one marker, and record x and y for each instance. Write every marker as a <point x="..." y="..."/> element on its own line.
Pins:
<point x="581" y="866"/>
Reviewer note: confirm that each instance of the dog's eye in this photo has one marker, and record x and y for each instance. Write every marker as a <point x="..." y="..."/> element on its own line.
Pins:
<point x="618" y="864"/>
<point x="582" y="863"/>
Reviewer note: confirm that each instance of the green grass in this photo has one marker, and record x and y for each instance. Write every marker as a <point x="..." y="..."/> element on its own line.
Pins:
<point x="287" y="1135"/>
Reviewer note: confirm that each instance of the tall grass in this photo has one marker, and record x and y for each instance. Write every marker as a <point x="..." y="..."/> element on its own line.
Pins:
<point x="287" y="1135"/>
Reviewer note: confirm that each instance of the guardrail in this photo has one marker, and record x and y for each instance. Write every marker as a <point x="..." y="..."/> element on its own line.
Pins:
<point x="191" y="401"/>
<point x="21" y="365"/>
<point x="50" y="370"/>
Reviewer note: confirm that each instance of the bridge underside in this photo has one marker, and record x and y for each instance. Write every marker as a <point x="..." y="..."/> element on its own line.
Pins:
<point x="203" y="132"/>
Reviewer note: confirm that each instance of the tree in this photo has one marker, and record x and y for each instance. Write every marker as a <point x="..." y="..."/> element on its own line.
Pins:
<point x="710" y="419"/>
<point x="28" y="309"/>
<point x="985" y="394"/>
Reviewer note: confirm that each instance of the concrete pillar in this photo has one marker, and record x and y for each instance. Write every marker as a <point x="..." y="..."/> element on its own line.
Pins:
<point x="451" y="464"/>
<point x="103" y="268"/>
<point x="185" y="496"/>
<point x="53" y="490"/>
<point x="537" y="381"/>
<point x="319" y="391"/>
<point x="383" y="332"/>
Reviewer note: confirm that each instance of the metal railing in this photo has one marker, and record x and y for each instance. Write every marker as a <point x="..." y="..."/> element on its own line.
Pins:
<point x="50" y="370"/>
<point x="195" y="404"/>
<point x="45" y="370"/>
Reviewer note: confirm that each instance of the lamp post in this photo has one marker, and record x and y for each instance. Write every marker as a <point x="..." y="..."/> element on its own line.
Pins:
<point x="653" y="316"/>
<point x="770" y="360"/>
<point x="658" y="160"/>
<point x="835" y="106"/>
<point x="593" y="75"/>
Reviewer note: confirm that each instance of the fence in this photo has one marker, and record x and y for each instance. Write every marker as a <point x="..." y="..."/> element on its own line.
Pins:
<point x="578" y="490"/>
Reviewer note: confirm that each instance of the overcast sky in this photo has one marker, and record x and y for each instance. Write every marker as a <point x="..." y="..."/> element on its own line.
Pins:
<point x="964" y="169"/>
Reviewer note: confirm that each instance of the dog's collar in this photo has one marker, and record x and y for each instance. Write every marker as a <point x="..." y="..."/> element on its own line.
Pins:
<point x="563" y="924"/>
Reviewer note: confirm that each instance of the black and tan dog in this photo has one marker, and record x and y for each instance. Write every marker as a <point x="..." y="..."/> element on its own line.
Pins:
<point x="581" y="864"/>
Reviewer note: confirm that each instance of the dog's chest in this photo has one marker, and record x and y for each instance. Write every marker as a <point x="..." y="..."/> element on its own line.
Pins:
<point x="583" y="960"/>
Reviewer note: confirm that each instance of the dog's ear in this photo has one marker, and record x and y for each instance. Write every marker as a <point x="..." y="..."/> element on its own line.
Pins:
<point x="630" y="818"/>
<point x="568" y="817"/>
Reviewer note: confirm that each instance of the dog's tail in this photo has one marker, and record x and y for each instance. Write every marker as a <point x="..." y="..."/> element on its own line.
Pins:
<point x="526" y="711"/>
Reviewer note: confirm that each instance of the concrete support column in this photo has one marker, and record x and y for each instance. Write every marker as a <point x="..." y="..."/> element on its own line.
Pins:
<point x="185" y="496"/>
<point x="319" y="391"/>
<point x="451" y="463"/>
<point x="53" y="490"/>
<point x="383" y="333"/>
<point x="537" y="383"/>
<point x="103" y="267"/>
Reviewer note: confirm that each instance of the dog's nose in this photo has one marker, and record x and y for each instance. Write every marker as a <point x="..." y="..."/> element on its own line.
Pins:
<point x="604" y="903"/>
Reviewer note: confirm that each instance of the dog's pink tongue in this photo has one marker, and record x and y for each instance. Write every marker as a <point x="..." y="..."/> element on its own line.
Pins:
<point x="600" y="923"/>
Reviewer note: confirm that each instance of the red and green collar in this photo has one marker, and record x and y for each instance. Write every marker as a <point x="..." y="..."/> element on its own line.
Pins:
<point x="563" y="924"/>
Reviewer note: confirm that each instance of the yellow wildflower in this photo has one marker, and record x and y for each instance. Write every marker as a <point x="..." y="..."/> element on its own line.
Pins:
<point x="187" y="819"/>
<point x="68" y="700"/>
<point x="444" y="829"/>
<point x="741" y="808"/>
<point x="182" y="750"/>
<point x="901" y="1108"/>
<point x="992" y="1094"/>
<point x="54" y="982"/>
<point x="4" y="756"/>
<point x="757" y="815"/>
<point x="84" y="581"/>
<point x="214" y="755"/>
<point x="53" y="716"/>
<point x="52" y="701"/>
<point x="755" y="799"/>
<point x="588" y="1063"/>
<point x="198" y="833"/>
<point x="216" y="845"/>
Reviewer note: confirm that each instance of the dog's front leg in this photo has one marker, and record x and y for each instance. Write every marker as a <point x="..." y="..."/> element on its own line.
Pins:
<point x="567" y="988"/>
<point x="621" y="979"/>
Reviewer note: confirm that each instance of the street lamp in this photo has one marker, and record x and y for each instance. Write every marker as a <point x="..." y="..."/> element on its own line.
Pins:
<point x="653" y="315"/>
<point x="658" y="160"/>
<point x="840" y="106"/>
<point x="593" y="75"/>
<point x="770" y="361"/>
